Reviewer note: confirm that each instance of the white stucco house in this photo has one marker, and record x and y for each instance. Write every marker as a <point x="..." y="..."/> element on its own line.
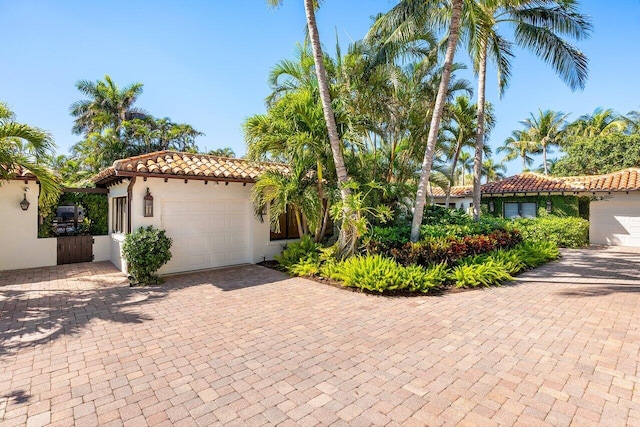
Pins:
<point x="203" y="202"/>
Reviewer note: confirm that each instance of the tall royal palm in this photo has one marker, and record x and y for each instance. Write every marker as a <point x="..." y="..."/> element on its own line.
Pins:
<point x="600" y="123"/>
<point x="539" y="26"/>
<point x="402" y="22"/>
<point x="327" y="108"/>
<point x="519" y="144"/>
<point x="107" y="106"/>
<point x="545" y="130"/>
<point x="24" y="147"/>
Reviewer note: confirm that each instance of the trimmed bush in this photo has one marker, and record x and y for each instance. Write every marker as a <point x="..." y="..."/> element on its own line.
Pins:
<point x="146" y="250"/>
<point x="567" y="232"/>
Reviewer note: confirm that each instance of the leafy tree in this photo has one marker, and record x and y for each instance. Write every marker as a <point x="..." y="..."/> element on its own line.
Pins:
<point x="24" y="147"/>
<point x="598" y="155"/>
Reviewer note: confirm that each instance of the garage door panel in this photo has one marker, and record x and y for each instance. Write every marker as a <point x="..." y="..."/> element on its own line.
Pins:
<point x="206" y="234"/>
<point x="615" y="223"/>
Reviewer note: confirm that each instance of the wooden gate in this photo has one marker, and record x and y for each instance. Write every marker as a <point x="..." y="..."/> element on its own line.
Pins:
<point x="72" y="249"/>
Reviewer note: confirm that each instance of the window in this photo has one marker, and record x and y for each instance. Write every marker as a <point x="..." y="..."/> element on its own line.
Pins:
<point x="289" y="227"/>
<point x="520" y="210"/>
<point x="119" y="215"/>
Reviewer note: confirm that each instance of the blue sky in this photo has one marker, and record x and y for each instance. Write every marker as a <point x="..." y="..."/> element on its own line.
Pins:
<point x="206" y="62"/>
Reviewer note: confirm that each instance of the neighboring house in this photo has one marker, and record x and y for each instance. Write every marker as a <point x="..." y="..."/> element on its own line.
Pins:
<point x="611" y="201"/>
<point x="461" y="197"/>
<point x="203" y="202"/>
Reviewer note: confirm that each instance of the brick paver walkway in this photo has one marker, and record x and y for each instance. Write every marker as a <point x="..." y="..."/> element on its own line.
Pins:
<point x="248" y="346"/>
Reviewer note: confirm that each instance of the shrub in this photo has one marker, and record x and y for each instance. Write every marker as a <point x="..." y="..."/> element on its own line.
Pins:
<point x="489" y="273"/>
<point x="569" y="232"/>
<point x="377" y="273"/>
<point x="435" y="250"/>
<point x="146" y="250"/>
<point x="520" y="258"/>
<point x="306" y="249"/>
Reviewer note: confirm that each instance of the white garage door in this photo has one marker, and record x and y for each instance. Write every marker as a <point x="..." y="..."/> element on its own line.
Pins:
<point x="615" y="222"/>
<point x="206" y="234"/>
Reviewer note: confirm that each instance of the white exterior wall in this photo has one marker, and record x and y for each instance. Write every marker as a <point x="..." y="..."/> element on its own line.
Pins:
<point x="19" y="243"/>
<point x="191" y="193"/>
<point x="101" y="248"/>
<point x="615" y="220"/>
<point x="116" y="239"/>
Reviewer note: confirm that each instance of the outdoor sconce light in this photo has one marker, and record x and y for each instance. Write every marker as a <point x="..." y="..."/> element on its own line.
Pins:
<point x="492" y="206"/>
<point x="548" y="206"/>
<point x="148" y="204"/>
<point x="24" y="204"/>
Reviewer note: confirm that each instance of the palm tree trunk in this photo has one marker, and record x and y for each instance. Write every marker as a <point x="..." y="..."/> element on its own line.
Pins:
<point x="421" y="195"/>
<point x="454" y="163"/>
<point x="318" y="231"/>
<point x="327" y="109"/>
<point x="477" y="161"/>
<point x="544" y="159"/>
<point x="299" y="222"/>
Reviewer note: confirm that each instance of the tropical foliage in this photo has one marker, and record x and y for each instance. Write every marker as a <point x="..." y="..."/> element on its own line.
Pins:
<point x="26" y="148"/>
<point x="113" y="127"/>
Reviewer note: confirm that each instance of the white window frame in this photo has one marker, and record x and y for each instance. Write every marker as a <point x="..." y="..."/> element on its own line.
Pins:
<point x="119" y="215"/>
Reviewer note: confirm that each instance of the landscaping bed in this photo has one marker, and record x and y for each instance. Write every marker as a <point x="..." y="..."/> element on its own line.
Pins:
<point x="454" y="253"/>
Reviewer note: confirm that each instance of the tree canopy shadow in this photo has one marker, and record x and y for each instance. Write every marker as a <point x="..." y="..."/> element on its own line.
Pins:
<point x="591" y="272"/>
<point x="36" y="313"/>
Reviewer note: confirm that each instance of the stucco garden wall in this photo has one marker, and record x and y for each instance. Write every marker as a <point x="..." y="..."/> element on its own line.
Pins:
<point x="19" y="243"/>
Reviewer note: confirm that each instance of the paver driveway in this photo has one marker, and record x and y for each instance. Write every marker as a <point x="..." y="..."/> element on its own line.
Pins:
<point x="248" y="346"/>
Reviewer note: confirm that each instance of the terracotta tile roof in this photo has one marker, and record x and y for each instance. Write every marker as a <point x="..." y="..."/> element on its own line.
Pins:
<point x="22" y="173"/>
<point x="171" y="164"/>
<point x="624" y="180"/>
<point x="456" y="191"/>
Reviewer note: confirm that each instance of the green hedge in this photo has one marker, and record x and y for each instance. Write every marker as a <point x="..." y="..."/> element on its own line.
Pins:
<point x="564" y="232"/>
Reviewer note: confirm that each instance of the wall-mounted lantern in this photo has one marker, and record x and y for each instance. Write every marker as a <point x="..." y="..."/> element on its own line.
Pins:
<point x="148" y="204"/>
<point x="492" y="206"/>
<point x="24" y="204"/>
<point x="548" y="206"/>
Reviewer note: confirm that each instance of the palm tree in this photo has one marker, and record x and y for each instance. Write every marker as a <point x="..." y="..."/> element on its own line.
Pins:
<point x="281" y="192"/>
<point x="466" y="164"/>
<point x="632" y="120"/>
<point x="600" y="123"/>
<point x="24" y="147"/>
<point x="108" y="105"/>
<point x="545" y="130"/>
<point x="402" y="22"/>
<point x="294" y="131"/>
<point x="519" y="144"/>
<point x="223" y="152"/>
<point x="493" y="171"/>
<point x="538" y="26"/>
<point x="327" y="108"/>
